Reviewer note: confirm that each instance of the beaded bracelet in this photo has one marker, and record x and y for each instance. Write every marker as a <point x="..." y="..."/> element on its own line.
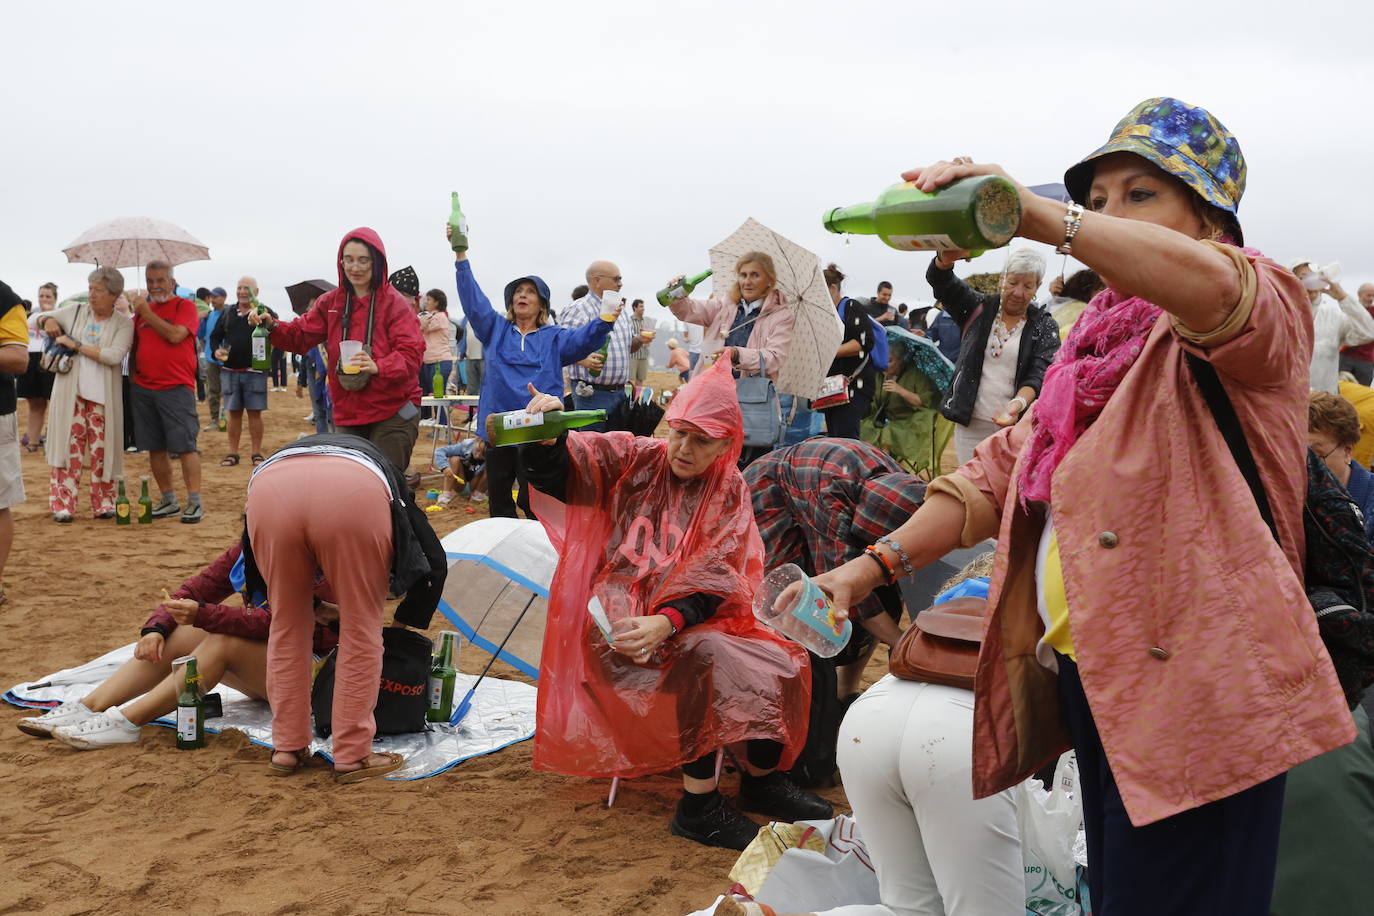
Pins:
<point x="1073" y="219"/>
<point x="901" y="555"/>
<point x="889" y="573"/>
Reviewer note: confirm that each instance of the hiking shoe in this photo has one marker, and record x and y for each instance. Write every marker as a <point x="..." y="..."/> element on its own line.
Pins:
<point x="104" y="729"/>
<point x="166" y="507"/>
<point x="193" y="514"/>
<point x="69" y="713"/>
<point x="782" y="799"/>
<point x="719" y="825"/>
<point x="63" y="517"/>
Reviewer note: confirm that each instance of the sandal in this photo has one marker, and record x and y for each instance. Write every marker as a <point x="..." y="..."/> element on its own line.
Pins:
<point x="228" y="461"/>
<point x="393" y="763"/>
<point x="257" y="459"/>
<point x="282" y="769"/>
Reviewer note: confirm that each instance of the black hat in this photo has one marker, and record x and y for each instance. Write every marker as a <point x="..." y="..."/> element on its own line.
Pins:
<point x="405" y="281"/>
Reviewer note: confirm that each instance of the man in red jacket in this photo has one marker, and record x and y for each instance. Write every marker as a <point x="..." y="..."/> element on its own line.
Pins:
<point x="163" y="389"/>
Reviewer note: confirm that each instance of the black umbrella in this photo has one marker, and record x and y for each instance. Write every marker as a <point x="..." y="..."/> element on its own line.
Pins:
<point x="635" y="416"/>
<point x="302" y="293"/>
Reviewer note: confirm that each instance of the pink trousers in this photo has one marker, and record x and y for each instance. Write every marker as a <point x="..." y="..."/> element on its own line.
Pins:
<point x="332" y="514"/>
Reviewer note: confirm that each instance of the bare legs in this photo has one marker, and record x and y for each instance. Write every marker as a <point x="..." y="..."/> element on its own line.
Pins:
<point x="240" y="663"/>
<point x="137" y="676"/>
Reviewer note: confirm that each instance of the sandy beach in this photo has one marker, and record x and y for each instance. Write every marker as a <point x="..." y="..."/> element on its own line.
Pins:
<point x="145" y="827"/>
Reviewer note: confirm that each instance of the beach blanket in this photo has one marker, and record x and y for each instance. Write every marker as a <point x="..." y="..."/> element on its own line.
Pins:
<point x="502" y="714"/>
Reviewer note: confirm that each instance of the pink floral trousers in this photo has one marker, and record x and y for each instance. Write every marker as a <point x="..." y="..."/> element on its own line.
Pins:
<point x="87" y="435"/>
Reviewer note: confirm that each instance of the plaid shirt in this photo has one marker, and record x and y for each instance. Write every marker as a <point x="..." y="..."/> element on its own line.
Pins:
<point x="819" y="503"/>
<point x="616" y="371"/>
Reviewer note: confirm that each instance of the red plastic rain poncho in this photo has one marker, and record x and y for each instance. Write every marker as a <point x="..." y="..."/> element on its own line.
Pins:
<point x="636" y="537"/>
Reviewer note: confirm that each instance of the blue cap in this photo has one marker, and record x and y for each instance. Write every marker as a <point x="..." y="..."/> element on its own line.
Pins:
<point x="218" y="291"/>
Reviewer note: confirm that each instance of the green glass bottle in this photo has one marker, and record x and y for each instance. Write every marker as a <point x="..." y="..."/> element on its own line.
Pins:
<point x="438" y="383"/>
<point x="442" y="678"/>
<point x="973" y="214"/>
<point x="222" y="423"/>
<point x="666" y="297"/>
<point x="190" y="707"/>
<point x="145" y="506"/>
<point x="516" y="426"/>
<point x="459" y="224"/>
<point x="605" y="349"/>
<point x="262" y="348"/>
<point x="122" y="514"/>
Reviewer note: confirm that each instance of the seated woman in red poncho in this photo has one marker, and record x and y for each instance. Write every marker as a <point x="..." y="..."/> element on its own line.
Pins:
<point x="661" y="534"/>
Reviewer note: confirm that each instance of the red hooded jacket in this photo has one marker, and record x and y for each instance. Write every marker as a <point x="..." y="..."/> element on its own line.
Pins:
<point x="397" y="347"/>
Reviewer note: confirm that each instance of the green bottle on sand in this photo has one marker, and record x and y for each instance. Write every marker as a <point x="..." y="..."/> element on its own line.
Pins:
<point x="145" y="506"/>
<point x="442" y="678"/>
<point x="190" y="708"/>
<point x="515" y="426"/>
<point x="666" y="297"/>
<point x="973" y="214"/>
<point x="122" y="513"/>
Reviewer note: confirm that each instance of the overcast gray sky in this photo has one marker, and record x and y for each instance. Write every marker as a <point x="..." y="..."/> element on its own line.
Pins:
<point x="635" y="131"/>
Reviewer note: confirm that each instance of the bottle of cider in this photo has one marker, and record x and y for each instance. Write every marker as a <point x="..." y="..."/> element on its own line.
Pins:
<point x="145" y="506"/>
<point x="604" y="351"/>
<point x="459" y="224"/>
<point x="666" y="297"/>
<point x="438" y="386"/>
<point x="262" y="349"/>
<point x="122" y="514"/>
<point x="190" y="707"/>
<point x="516" y="426"/>
<point x="442" y="677"/>
<point x="973" y="214"/>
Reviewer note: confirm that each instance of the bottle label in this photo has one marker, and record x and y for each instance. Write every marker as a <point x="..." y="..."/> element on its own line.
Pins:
<point x="259" y="349"/>
<point x="122" y="510"/>
<point x="922" y="242"/>
<point x="518" y="419"/>
<point x="676" y="293"/>
<point x="436" y="693"/>
<point x="186" y="723"/>
<point x="818" y="614"/>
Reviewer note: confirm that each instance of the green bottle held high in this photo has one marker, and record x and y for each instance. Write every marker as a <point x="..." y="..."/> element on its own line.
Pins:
<point x="666" y="297"/>
<point x="973" y="214"/>
<point x="459" y="224"/>
<point x="190" y="707"/>
<point x="122" y="513"/>
<point x="516" y="426"/>
<point x="442" y="678"/>
<point x="262" y="348"/>
<point x="145" y="506"/>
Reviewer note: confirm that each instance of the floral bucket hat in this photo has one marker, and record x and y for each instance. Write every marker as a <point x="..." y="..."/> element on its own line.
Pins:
<point x="1183" y="140"/>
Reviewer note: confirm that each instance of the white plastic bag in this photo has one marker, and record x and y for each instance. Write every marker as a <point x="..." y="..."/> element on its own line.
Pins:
<point x="1050" y="823"/>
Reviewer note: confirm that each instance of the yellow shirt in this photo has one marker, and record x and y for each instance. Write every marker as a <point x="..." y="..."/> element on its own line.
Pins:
<point x="14" y="327"/>
<point x="1363" y="399"/>
<point x="1056" y="599"/>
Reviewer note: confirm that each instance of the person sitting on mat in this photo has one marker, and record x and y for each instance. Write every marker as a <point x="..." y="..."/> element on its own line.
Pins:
<point x="228" y="641"/>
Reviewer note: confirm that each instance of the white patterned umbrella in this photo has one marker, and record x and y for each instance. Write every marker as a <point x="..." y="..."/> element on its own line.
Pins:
<point x="133" y="242"/>
<point x="817" y="332"/>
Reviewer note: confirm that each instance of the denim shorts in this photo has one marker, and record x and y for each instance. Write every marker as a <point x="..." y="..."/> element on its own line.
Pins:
<point x="244" y="390"/>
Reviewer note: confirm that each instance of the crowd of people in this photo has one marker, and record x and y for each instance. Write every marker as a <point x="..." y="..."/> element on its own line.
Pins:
<point x="1133" y="443"/>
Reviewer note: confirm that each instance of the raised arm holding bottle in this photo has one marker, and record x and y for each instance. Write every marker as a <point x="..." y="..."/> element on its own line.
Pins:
<point x="750" y="324"/>
<point x="521" y="347"/>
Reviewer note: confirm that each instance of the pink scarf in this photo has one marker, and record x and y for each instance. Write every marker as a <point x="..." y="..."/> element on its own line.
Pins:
<point x="1101" y="349"/>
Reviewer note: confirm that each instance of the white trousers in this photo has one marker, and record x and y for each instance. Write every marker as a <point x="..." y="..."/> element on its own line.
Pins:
<point x="966" y="438"/>
<point x="905" y="751"/>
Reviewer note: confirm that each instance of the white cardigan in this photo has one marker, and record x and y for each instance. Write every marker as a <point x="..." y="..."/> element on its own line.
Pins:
<point x="115" y="339"/>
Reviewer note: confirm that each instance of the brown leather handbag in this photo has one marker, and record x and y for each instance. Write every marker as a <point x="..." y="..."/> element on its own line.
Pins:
<point x="941" y="645"/>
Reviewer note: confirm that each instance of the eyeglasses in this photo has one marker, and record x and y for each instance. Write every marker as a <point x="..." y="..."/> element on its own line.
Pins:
<point x="616" y="278"/>
<point x="1334" y="450"/>
<point x="359" y="262"/>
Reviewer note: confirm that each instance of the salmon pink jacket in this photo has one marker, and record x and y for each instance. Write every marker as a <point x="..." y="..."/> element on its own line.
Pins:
<point x="770" y="336"/>
<point x="1198" y="650"/>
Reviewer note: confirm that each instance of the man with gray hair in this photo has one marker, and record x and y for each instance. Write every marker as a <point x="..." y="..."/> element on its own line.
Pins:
<point x="14" y="359"/>
<point x="606" y="389"/>
<point x="244" y="388"/>
<point x="1359" y="360"/>
<point x="164" y="389"/>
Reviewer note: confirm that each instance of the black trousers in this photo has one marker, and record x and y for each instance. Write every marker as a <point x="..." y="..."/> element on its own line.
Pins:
<point x="843" y="422"/>
<point x="503" y="472"/>
<point x="1217" y="858"/>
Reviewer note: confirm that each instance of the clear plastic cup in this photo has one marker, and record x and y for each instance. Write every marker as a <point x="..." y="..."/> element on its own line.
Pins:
<point x="347" y="350"/>
<point x="788" y="602"/>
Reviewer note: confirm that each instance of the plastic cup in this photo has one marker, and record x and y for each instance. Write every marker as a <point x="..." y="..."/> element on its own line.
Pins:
<point x="347" y="350"/>
<point x="610" y="301"/>
<point x="789" y="603"/>
<point x="647" y="334"/>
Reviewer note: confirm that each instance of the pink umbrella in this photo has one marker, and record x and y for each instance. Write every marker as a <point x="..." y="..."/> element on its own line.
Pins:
<point x="133" y="242"/>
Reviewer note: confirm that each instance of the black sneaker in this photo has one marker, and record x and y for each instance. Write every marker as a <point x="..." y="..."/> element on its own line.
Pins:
<point x="719" y="825"/>
<point x="782" y="799"/>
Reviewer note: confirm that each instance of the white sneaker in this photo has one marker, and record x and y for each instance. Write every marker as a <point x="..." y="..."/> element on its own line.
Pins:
<point x="478" y="498"/>
<point x="67" y="714"/>
<point x="428" y="422"/>
<point x="103" y="730"/>
<point x="444" y="499"/>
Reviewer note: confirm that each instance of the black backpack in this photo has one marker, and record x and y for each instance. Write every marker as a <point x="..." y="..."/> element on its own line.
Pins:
<point x="1339" y="570"/>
